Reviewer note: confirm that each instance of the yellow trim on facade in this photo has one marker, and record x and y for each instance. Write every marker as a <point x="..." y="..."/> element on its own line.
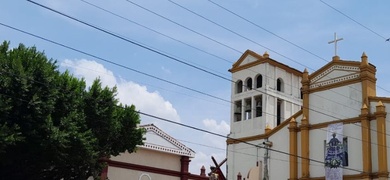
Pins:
<point x="305" y="126"/>
<point x="381" y="140"/>
<point x="366" y="139"/>
<point x="377" y="99"/>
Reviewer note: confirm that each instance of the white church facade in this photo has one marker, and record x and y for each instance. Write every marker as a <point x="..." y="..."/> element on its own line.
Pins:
<point x="296" y="125"/>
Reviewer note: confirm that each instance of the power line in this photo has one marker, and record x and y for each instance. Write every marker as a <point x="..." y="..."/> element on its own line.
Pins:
<point x="122" y="17"/>
<point x="229" y="47"/>
<point x="227" y="29"/>
<point x="155" y="31"/>
<point x="362" y="25"/>
<point x="188" y="126"/>
<point x="213" y="22"/>
<point x="130" y="41"/>
<point x="114" y="63"/>
<point x="357" y="22"/>
<point x="151" y="85"/>
<point x="255" y="145"/>
<point x="137" y="71"/>
<point x="140" y="45"/>
<point x="266" y="30"/>
<point x="310" y="109"/>
<point x="148" y="74"/>
<point x="251" y="22"/>
<point x="158" y="52"/>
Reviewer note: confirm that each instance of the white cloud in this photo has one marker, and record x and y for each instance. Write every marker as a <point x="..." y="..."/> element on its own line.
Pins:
<point x="128" y="92"/>
<point x="212" y="125"/>
<point x="222" y="128"/>
<point x="90" y="70"/>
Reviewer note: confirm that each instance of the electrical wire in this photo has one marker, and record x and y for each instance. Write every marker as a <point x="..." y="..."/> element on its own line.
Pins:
<point x="216" y="134"/>
<point x="227" y="29"/>
<point x="357" y="22"/>
<point x="68" y="47"/>
<point x="185" y="27"/>
<point x="155" y="31"/>
<point x="155" y="52"/>
<point x="266" y="30"/>
<point x="140" y="45"/>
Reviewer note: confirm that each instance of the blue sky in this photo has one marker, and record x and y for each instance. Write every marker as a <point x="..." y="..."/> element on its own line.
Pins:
<point x="278" y="25"/>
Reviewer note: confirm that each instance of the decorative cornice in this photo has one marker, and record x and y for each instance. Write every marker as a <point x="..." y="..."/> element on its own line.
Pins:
<point x="335" y="85"/>
<point x="332" y="68"/>
<point x="334" y="63"/>
<point x="335" y="80"/>
<point x="182" y="149"/>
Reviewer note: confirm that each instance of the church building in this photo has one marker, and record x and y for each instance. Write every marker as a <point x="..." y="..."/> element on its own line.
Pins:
<point x="288" y="124"/>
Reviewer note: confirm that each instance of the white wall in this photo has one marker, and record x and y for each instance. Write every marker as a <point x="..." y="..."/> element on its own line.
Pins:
<point x="279" y="158"/>
<point x="338" y="103"/>
<point x="242" y="157"/>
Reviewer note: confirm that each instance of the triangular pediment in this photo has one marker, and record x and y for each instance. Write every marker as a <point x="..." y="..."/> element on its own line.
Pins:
<point x="335" y="72"/>
<point x="158" y="140"/>
<point x="250" y="59"/>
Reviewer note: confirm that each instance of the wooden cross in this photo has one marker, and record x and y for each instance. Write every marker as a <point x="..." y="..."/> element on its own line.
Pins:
<point x="335" y="43"/>
<point x="217" y="169"/>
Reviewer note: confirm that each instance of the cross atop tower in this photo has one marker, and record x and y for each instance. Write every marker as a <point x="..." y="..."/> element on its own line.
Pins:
<point x="335" y="43"/>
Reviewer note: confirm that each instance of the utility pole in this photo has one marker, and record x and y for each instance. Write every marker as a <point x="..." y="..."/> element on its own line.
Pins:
<point x="267" y="144"/>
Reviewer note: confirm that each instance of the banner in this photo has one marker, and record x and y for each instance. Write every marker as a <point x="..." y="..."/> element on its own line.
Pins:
<point x="334" y="152"/>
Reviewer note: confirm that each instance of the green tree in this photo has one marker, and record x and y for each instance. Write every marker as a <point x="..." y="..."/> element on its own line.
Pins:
<point x="52" y="126"/>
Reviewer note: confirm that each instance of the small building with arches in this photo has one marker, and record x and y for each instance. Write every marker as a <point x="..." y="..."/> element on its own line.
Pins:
<point x="338" y="130"/>
<point x="162" y="157"/>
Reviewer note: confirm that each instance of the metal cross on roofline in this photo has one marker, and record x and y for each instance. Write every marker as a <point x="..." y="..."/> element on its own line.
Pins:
<point x="335" y="43"/>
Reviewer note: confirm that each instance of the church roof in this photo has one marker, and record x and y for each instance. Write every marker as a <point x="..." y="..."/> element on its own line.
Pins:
<point x="337" y="72"/>
<point x="158" y="140"/>
<point x="250" y="59"/>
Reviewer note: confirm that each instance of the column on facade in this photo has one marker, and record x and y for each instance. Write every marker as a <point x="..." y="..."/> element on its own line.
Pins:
<point x="380" y="115"/>
<point x="305" y="126"/>
<point x="293" y="149"/>
<point x="184" y="173"/>
<point x="366" y="142"/>
<point x="367" y="75"/>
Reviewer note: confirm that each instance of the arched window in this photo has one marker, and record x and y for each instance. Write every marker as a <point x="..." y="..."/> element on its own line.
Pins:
<point x="249" y="84"/>
<point x="259" y="81"/>
<point x="279" y="85"/>
<point x="239" y="86"/>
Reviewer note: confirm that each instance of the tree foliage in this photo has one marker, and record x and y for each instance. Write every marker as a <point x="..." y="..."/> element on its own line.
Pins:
<point x="51" y="125"/>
